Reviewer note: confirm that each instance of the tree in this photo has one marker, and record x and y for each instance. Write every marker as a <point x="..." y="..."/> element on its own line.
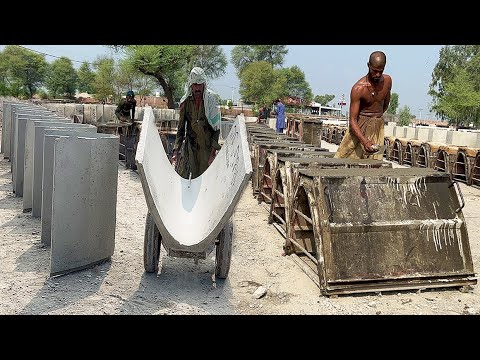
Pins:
<point x="24" y="69"/>
<point x="171" y="64"/>
<point x="392" y="107"/>
<point x="243" y="55"/>
<point x="451" y="58"/>
<point x="257" y="83"/>
<point x="61" y="78"/>
<point x="86" y="78"/>
<point x="405" y="117"/>
<point x="127" y="77"/>
<point x="104" y="78"/>
<point x="293" y="83"/>
<point x="324" y="99"/>
<point x="460" y="100"/>
<point x="210" y="58"/>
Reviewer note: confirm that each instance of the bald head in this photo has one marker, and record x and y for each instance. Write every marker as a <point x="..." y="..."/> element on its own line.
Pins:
<point x="377" y="59"/>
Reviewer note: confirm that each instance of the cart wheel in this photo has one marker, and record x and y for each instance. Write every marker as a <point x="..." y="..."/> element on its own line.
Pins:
<point x="223" y="251"/>
<point x="151" y="245"/>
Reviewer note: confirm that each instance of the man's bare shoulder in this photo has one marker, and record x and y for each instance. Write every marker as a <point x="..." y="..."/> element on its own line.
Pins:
<point x="387" y="78"/>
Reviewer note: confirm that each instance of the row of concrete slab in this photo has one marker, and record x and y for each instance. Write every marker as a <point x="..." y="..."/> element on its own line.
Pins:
<point x="361" y="225"/>
<point x="420" y="147"/>
<point x="67" y="175"/>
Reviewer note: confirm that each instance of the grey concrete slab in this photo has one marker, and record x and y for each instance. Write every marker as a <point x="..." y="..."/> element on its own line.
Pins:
<point x="84" y="200"/>
<point x="6" y="108"/>
<point x="424" y="133"/>
<point x="440" y="135"/>
<point x="388" y="130"/>
<point x="29" y="152"/>
<point x="410" y="133"/>
<point x="465" y="138"/>
<point x="38" y="161"/>
<point x="7" y="124"/>
<point x="191" y="213"/>
<point x="47" y="174"/>
<point x="19" y="129"/>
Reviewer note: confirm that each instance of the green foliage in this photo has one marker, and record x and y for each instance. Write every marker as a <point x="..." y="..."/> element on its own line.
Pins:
<point x="460" y="102"/>
<point x="211" y="59"/>
<point x="260" y="83"/>
<point x="61" y="78"/>
<point x="243" y="55"/>
<point x="393" y="106"/>
<point x="324" y="99"/>
<point x="86" y="78"/>
<point x="294" y="84"/>
<point x="21" y="71"/>
<point x="405" y="117"/>
<point x="42" y="94"/>
<point x="452" y="58"/>
<point x="104" y="78"/>
<point x="257" y="83"/>
<point x="171" y="64"/>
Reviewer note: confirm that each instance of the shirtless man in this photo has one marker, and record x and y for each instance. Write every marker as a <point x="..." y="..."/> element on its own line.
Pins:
<point x="369" y="100"/>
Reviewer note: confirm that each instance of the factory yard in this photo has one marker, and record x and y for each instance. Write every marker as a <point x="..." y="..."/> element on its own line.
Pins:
<point x="261" y="280"/>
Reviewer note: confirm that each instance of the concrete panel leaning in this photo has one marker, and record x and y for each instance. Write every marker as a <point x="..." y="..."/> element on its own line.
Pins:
<point x="29" y="155"/>
<point x="47" y="174"/>
<point x="84" y="199"/>
<point x="189" y="216"/>
<point x="18" y="154"/>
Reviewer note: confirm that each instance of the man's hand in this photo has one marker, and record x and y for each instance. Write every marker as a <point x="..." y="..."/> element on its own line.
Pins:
<point x="369" y="147"/>
<point x="174" y="159"/>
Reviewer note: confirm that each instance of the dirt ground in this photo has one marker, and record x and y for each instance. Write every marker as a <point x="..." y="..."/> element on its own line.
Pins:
<point x="120" y="286"/>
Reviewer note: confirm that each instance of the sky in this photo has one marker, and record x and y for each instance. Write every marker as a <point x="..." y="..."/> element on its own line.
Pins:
<point x="329" y="69"/>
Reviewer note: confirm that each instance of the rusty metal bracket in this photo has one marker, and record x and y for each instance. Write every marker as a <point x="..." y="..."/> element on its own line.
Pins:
<point x="459" y="192"/>
<point x="330" y="204"/>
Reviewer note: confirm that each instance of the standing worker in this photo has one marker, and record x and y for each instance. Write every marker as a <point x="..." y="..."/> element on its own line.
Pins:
<point x="369" y="100"/>
<point x="198" y="131"/>
<point x="280" y="124"/>
<point x="125" y="112"/>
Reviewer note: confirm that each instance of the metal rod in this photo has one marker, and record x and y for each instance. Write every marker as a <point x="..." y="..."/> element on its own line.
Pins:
<point x="279" y="218"/>
<point x="266" y="196"/>
<point x="304" y="216"/>
<point x="279" y="193"/>
<point x="304" y="251"/>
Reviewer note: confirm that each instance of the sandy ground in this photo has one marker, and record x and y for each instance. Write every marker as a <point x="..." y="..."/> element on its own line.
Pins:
<point x="120" y="286"/>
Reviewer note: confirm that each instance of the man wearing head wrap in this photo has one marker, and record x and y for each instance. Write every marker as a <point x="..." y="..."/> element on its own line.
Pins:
<point x="125" y="106"/>
<point x="196" y="143"/>
<point x="125" y="112"/>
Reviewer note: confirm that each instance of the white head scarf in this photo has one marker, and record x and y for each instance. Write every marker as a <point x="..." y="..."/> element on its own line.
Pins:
<point x="212" y="111"/>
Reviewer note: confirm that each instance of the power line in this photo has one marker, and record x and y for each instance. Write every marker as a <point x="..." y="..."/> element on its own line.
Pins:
<point x="58" y="57"/>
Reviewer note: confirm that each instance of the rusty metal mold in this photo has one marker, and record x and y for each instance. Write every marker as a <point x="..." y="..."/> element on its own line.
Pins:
<point x="381" y="229"/>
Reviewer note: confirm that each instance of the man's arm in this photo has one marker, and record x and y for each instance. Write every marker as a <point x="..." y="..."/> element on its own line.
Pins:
<point x="387" y="98"/>
<point x="215" y="146"/>
<point x="180" y="134"/>
<point x="133" y="109"/>
<point x="355" y="96"/>
<point x="118" y="110"/>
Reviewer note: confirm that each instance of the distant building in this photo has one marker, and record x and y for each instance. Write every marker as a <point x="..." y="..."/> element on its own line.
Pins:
<point x="156" y="102"/>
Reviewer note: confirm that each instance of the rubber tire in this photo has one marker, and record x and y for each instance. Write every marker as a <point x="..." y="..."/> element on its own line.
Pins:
<point x="223" y="250"/>
<point x="151" y="245"/>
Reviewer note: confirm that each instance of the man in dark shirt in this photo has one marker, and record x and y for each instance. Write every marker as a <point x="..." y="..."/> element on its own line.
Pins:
<point x="125" y="111"/>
